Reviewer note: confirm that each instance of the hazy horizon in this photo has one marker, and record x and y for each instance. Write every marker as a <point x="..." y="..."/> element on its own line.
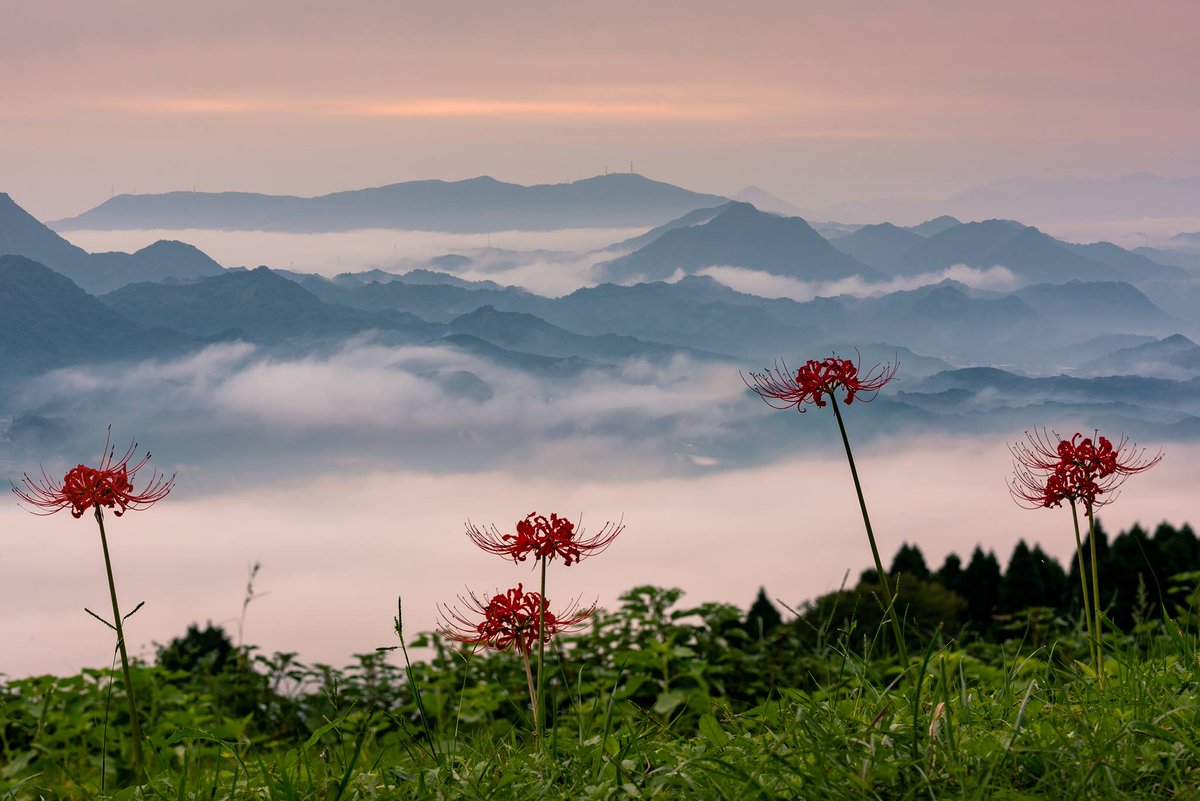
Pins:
<point x="817" y="104"/>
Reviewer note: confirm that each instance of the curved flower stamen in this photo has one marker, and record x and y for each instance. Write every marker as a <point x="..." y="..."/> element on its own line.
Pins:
<point x="509" y="620"/>
<point x="544" y="537"/>
<point x="782" y="388"/>
<point x="1049" y="469"/>
<point x="109" y="485"/>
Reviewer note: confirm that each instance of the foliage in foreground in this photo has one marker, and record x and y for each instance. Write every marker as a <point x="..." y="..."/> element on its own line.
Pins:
<point x="657" y="701"/>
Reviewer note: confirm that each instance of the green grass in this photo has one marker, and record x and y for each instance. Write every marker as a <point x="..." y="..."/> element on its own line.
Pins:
<point x="654" y="702"/>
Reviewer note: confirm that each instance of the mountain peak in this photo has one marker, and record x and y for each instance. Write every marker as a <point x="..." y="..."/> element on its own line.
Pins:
<point x="764" y="200"/>
<point x="935" y="225"/>
<point x="740" y="236"/>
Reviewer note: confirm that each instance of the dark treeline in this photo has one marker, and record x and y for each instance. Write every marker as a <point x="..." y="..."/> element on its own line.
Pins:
<point x="990" y="600"/>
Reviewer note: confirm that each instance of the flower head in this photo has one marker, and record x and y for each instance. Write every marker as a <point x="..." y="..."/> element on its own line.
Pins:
<point x="509" y="620"/>
<point x="110" y="485"/>
<point x="1049" y="470"/>
<point x="782" y="388"/>
<point x="544" y="537"/>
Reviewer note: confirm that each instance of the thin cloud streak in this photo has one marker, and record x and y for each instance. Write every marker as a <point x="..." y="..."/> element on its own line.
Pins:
<point x="552" y="264"/>
<point x="430" y="108"/>
<point x="757" y="282"/>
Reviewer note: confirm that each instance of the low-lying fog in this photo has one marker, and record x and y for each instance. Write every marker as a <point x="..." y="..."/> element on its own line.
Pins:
<point x="339" y="542"/>
<point x="550" y="263"/>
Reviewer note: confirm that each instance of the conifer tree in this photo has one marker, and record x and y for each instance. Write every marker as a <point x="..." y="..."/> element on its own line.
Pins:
<point x="981" y="584"/>
<point x="762" y="617"/>
<point x="950" y="574"/>
<point x="909" y="561"/>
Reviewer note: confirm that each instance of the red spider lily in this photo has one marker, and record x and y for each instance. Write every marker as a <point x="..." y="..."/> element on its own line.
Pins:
<point x="783" y="389"/>
<point x="545" y="538"/>
<point x="510" y="619"/>
<point x="109" y="485"/>
<point x="1050" y="470"/>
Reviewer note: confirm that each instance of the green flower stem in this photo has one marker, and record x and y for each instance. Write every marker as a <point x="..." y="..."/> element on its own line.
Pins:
<point x="538" y="708"/>
<point x="1090" y="511"/>
<point x="883" y="580"/>
<point x="1087" y="603"/>
<point x="533" y="699"/>
<point x="138" y="762"/>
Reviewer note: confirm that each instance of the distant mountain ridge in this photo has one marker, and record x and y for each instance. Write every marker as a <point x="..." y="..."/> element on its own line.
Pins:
<point x="1021" y="248"/>
<point x="740" y="236"/>
<point x="1043" y="201"/>
<point x="476" y="205"/>
<point x="49" y="322"/>
<point x="1175" y="356"/>
<point x="22" y="235"/>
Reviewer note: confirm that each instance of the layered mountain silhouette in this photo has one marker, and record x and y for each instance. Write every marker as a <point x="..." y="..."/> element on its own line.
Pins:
<point x="1030" y="254"/>
<point x="1024" y="250"/>
<point x="265" y="307"/>
<point x="472" y="206"/>
<point x="1001" y="400"/>
<point x="1134" y="196"/>
<point x="697" y="217"/>
<point x="1175" y="356"/>
<point x="165" y="260"/>
<point x="433" y="301"/>
<point x="1084" y="310"/>
<point x="1003" y="385"/>
<point x="1132" y="266"/>
<point x="1128" y="197"/>
<point x="1096" y="306"/>
<point x="740" y="236"/>
<point x="1185" y="260"/>
<point x="1044" y="322"/>
<point x="258" y="304"/>
<point x="880" y="246"/>
<point x="22" y="235"/>
<point x="50" y="322"/>
<point x="528" y="333"/>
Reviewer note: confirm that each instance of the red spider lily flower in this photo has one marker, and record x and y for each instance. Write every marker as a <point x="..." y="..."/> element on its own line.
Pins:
<point x="108" y="485"/>
<point x="783" y="389"/>
<point x="545" y="538"/>
<point x="1049" y="470"/>
<point x="509" y="620"/>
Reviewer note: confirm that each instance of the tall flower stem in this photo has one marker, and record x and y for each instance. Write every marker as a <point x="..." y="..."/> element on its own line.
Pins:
<point x="1083" y="583"/>
<point x="1090" y="511"/>
<point x="533" y="699"/>
<point x="539" y="707"/>
<point x="862" y="503"/>
<point x="138" y="762"/>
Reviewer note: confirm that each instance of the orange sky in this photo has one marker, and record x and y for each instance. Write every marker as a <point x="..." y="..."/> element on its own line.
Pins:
<point x="816" y="102"/>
